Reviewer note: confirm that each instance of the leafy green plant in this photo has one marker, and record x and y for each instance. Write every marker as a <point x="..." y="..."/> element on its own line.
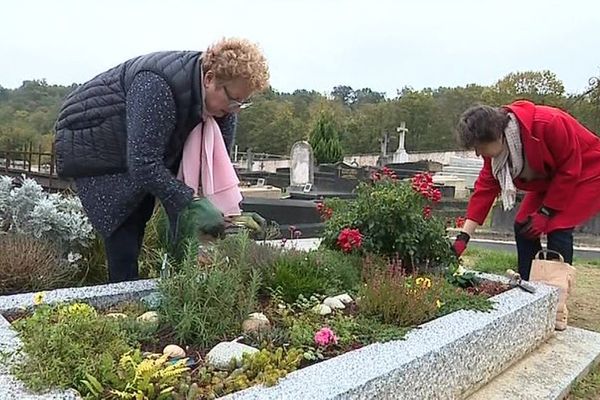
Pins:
<point x="455" y="299"/>
<point x="93" y="269"/>
<point x="152" y="378"/>
<point x="343" y="271"/>
<point x="242" y="250"/>
<point x="294" y="274"/>
<point x="137" y="332"/>
<point x="321" y="271"/>
<point x="394" y="220"/>
<point x="65" y="343"/>
<point x="154" y="245"/>
<point x="398" y="298"/>
<point x="460" y="277"/>
<point x="207" y="301"/>
<point x="269" y="339"/>
<point x="27" y="209"/>
<point x="264" y="367"/>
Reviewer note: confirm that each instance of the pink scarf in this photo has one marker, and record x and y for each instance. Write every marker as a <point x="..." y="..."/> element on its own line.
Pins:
<point x="205" y="154"/>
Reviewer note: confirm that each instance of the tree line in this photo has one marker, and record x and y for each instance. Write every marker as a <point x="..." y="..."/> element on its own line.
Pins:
<point x="359" y="117"/>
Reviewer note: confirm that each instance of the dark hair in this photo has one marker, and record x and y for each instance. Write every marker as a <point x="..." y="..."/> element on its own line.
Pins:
<point x="480" y="124"/>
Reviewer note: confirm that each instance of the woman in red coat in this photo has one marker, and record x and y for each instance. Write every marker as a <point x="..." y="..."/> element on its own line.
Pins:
<point x="540" y="150"/>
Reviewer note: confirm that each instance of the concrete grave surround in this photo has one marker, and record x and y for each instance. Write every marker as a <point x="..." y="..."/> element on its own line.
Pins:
<point x="447" y="358"/>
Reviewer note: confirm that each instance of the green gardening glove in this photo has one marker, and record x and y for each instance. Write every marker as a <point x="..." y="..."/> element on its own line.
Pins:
<point x="251" y="221"/>
<point x="198" y="218"/>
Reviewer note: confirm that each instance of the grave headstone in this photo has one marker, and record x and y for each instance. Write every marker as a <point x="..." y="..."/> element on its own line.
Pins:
<point x="302" y="165"/>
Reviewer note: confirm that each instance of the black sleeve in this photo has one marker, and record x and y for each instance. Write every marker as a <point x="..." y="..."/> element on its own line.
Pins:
<point x="151" y="120"/>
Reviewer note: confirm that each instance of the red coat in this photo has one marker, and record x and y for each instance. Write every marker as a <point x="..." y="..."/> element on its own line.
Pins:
<point x="557" y="146"/>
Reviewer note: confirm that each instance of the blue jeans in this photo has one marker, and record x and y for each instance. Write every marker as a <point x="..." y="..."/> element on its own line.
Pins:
<point x="560" y="241"/>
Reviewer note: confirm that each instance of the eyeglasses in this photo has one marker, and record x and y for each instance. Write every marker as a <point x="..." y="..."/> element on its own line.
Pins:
<point x="235" y="104"/>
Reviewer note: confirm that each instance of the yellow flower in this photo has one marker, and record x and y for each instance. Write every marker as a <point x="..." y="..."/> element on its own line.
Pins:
<point x="38" y="298"/>
<point x="423" y="282"/>
<point x="438" y="303"/>
<point x="81" y="309"/>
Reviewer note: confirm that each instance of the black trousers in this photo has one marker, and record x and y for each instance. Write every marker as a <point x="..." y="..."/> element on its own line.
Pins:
<point x="124" y="244"/>
<point x="560" y="241"/>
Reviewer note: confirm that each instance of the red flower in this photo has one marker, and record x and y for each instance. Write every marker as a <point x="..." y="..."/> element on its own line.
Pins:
<point x="324" y="211"/>
<point x="460" y="222"/>
<point x="384" y="173"/>
<point x="389" y="173"/>
<point x="349" y="239"/>
<point x="375" y="176"/>
<point x="427" y="212"/>
<point x="423" y="184"/>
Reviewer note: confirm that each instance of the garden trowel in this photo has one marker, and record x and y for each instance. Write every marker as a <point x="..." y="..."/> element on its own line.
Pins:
<point x="515" y="280"/>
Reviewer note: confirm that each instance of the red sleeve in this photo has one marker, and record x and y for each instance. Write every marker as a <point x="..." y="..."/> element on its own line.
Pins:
<point x="487" y="189"/>
<point x="562" y="143"/>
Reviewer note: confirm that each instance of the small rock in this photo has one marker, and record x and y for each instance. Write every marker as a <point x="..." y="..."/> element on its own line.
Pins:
<point x="333" y="303"/>
<point x="258" y="316"/>
<point x="174" y="351"/>
<point x="150" y="317"/>
<point x="256" y="322"/>
<point x="116" y="315"/>
<point x="344" y="298"/>
<point x="221" y="355"/>
<point x="322" y="309"/>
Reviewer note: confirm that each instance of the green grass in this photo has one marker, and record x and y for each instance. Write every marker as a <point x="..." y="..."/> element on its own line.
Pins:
<point x="591" y="263"/>
<point x="588" y="388"/>
<point x="490" y="261"/>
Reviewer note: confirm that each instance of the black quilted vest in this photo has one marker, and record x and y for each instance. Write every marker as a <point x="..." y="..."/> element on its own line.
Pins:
<point x="91" y="133"/>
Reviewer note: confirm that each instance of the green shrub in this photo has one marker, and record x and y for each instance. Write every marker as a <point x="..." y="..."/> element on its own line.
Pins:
<point x="294" y="275"/>
<point x="395" y="221"/>
<point x="65" y="343"/>
<point x="94" y="269"/>
<point x="396" y="298"/>
<point x="322" y="271"/>
<point x="207" y="302"/>
<point x="325" y="140"/>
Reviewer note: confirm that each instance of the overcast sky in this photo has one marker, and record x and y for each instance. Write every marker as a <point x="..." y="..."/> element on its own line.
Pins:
<point x="312" y="44"/>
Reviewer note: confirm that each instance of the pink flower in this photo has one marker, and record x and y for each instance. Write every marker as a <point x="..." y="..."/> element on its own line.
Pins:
<point x="325" y="337"/>
<point x="460" y="222"/>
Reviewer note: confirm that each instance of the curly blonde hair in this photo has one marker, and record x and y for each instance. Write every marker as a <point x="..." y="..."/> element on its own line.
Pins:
<point x="234" y="58"/>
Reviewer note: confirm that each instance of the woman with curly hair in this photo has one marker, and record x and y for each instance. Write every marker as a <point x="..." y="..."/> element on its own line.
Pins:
<point x="158" y="126"/>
